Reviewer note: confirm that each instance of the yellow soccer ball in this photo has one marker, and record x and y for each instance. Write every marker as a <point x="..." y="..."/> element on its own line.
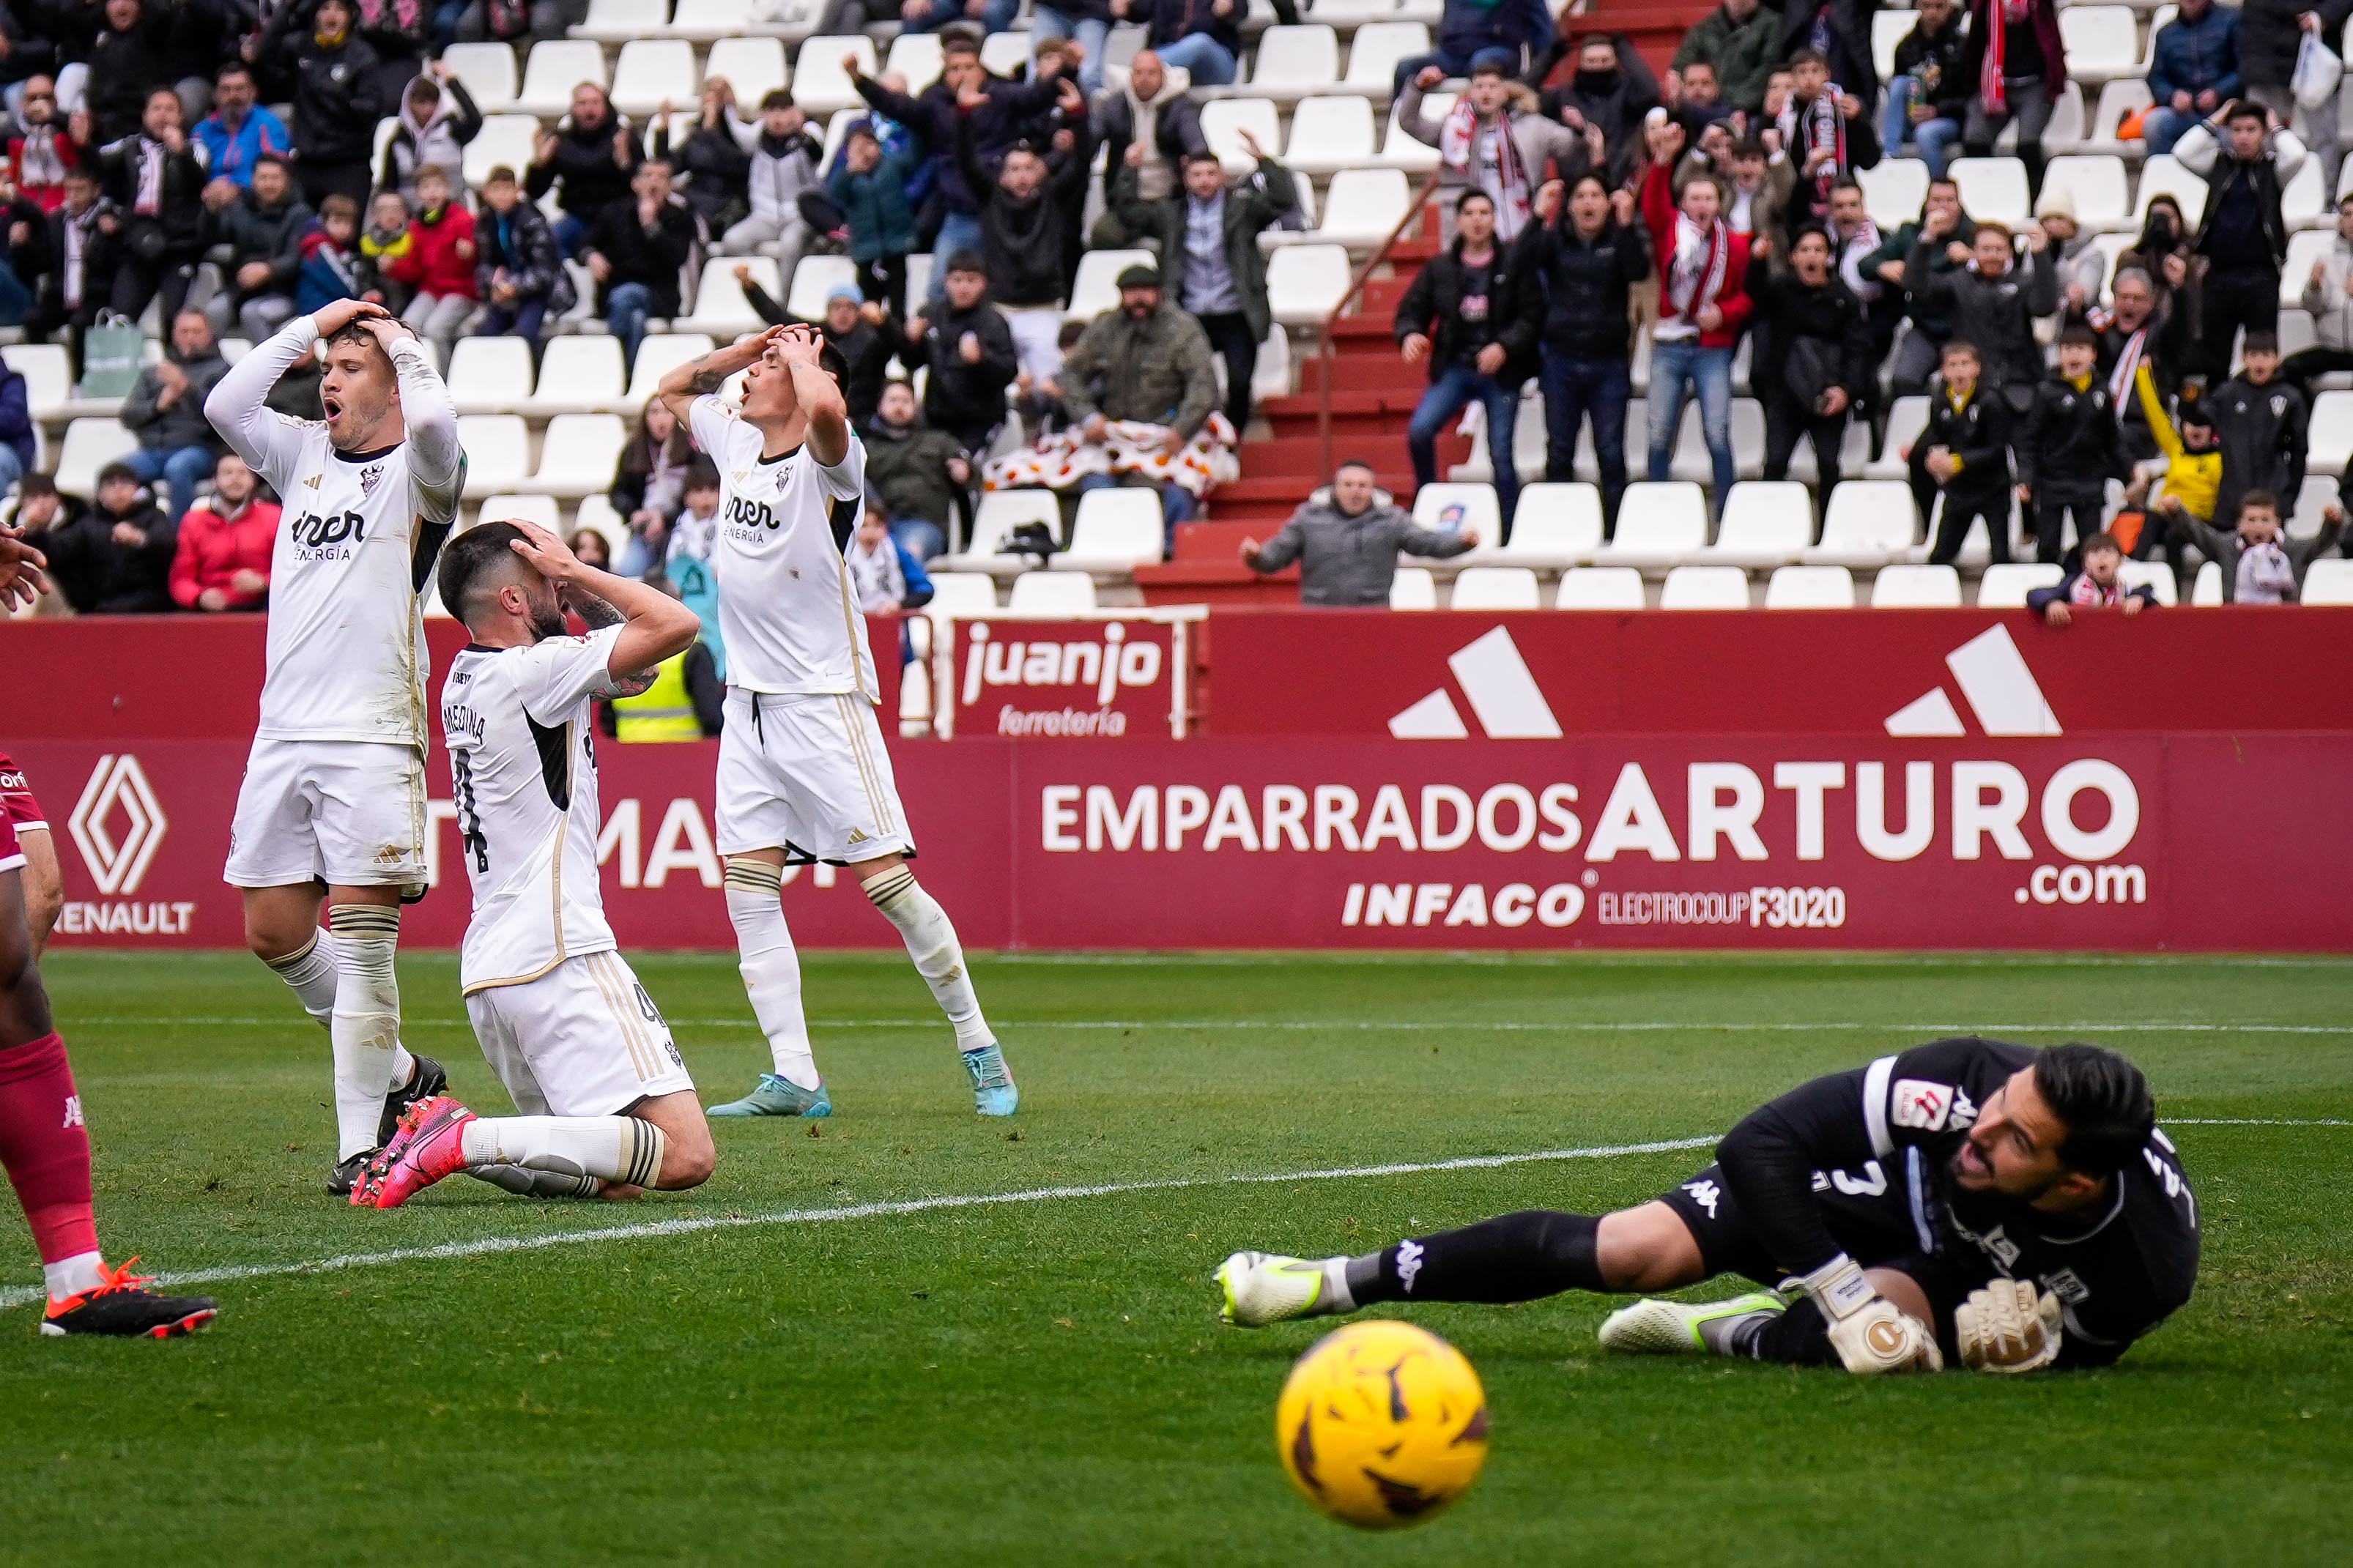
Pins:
<point x="1382" y="1425"/>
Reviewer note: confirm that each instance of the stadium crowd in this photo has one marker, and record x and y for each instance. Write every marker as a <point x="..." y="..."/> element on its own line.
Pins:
<point x="1603" y="225"/>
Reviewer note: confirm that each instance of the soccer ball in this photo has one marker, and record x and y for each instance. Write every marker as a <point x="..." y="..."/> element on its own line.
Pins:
<point x="1382" y="1425"/>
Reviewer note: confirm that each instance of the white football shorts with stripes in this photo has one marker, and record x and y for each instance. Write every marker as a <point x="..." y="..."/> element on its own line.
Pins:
<point x="583" y="1039"/>
<point x="809" y="775"/>
<point x="350" y="812"/>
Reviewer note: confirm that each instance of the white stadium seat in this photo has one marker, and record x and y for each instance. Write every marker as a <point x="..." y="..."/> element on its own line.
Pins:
<point x="2207" y="588"/>
<point x="2006" y="584"/>
<point x="1811" y="588"/>
<point x="1599" y="588"/>
<point x="498" y="453"/>
<point x="1497" y="588"/>
<point x="557" y="65"/>
<point x="490" y="375"/>
<point x="1097" y="288"/>
<point x="815" y="278"/>
<point x="999" y="513"/>
<point x="1006" y="53"/>
<point x="1704" y="588"/>
<point x="1224" y="119"/>
<point x="89" y="445"/>
<point x="1915" y="588"/>
<point x="2117" y="100"/>
<point x="719" y="307"/>
<point x="47" y="371"/>
<point x="752" y="68"/>
<point x="1993" y="188"/>
<point x="539" y="509"/>
<point x="1375" y="49"/>
<point x="1362" y="207"/>
<point x="1894" y="189"/>
<point x="1400" y="150"/>
<point x="1906" y="417"/>
<point x="580" y="374"/>
<point x="504" y="139"/>
<point x="2304" y="202"/>
<point x="1052" y="594"/>
<point x="619" y="21"/>
<point x="1867" y="523"/>
<point x="1330" y="134"/>
<point x="2330" y="435"/>
<point x="578" y="454"/>
<point x="1766" y="523"/>
<point x="916" y="56"/>
<point x="487" y="70"/>
<point x="1468" y="508"/>
<point x="820" y="85"/>
<point x="1115" y="530"/>
<point x="1413" y="588"/>
<point x="704" y="21"/>
<point x="2096" y="181"/>
<point x="2305" y="246"/>
<point x="1295" y="61"/>
<point x="2157" y="576"/>
<point x="1554" y="526"/>
<point x="1305" y="282"/>
<point x="651" y="72"/>
<point x="2103" y="42"/>
<point x="660" y="353"/>
<point x="961" y="594"/>
<point x="2164" y="176"/>
<point x="1659" y="526"/>
<point x="2329" y="582"/>
<point x="1889" y="28"/>
<point x="1692" y="461"/>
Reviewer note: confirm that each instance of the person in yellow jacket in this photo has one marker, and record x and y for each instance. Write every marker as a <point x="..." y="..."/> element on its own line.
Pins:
<point x="685" y="701"/>
<point x="2193" y="457"/>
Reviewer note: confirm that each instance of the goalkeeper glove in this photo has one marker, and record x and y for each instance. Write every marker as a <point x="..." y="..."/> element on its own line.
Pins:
<point x="1871" y="1333"/>
<point x="2007" y="1326"/>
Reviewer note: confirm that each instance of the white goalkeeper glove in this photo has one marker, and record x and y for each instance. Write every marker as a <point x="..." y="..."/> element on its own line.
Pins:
<point x="2008" y="1326"/>
<point x="1871" y="1333"/>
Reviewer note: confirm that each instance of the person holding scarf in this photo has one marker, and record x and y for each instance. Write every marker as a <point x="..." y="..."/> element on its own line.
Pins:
<point x="2096" y="583"/>
<point x="1493" y="141"/>
<point x="2138" y="332"/>
<point x="2020" y="66"/>
<point x="1855" y="239"/>
<point x="1826" y="131"/>
<point x="1702" y="305"/>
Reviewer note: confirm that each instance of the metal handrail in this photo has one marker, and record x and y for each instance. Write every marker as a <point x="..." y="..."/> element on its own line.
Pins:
<point x="1413" y="211"/>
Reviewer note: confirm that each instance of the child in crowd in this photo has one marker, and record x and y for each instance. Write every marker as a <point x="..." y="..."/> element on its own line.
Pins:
<point x="1964" y="455"/>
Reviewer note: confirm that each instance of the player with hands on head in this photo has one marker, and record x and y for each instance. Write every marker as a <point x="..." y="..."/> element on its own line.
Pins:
<point x="804" y="775"/>
<point x="334" y="786"/>
<point x="607" y="1107"/>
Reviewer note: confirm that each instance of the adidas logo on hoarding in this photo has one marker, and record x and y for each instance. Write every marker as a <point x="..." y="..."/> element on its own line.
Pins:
<point x="1997" y="685"/>
<point x="1503" y="694"/>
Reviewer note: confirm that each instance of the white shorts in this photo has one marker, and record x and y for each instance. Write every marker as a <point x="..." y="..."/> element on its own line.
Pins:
<point x="807" y="775"/>
<point x="350" y="812"/>
<point x="584" y="1039"/>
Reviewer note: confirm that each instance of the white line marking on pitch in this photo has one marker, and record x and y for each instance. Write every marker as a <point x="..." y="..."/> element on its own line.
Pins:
<point x="1405" y="1024"/>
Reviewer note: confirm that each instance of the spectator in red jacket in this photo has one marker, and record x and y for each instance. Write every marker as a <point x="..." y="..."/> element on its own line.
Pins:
<point x="223" y="559"/>
<point x="1703" y="304"/>
<point x="43" y="149"/>
<point x="439" y="263"/>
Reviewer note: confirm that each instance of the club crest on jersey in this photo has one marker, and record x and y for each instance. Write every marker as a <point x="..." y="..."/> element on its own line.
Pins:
<point x="369" y="478"/>
<point x="1918" y="1103"/>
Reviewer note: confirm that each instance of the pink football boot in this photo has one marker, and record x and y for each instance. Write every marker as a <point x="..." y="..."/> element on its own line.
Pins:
<point x="430" y="1144"/>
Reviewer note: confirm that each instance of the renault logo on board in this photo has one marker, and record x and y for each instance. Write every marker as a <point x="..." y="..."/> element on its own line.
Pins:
<point x="117" y="786"/>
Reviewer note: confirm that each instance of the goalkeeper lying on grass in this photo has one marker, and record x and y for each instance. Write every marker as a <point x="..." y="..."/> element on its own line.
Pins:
<point x="1966" y="1201"/>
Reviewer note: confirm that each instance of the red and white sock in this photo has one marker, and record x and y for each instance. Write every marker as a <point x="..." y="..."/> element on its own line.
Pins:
<point x="46" y="1148"/>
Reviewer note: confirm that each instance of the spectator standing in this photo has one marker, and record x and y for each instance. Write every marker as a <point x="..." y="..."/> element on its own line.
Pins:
<point x="18" y="447"/>
<point x="158" y="187"/>
<point x="1815" y="343"/>
<point x="263" y="224"/>
<point x="1963" y="456"/>
<point x="1928" y="97"/>
<point x="2261" y="422"/>
<point x="1702" y="306"/>
<point x="1604" y="101"/>
<point x="1854" y="240"/>
<point x="1023" y="213"/>
<point x="2328" y="298"/>
<point x="1202" y="38"/>
<point x="1473" y="316"/>
<point x="2193" y="71"/>
<point x="1148" y="362"/>
<point x="2069" y="447"/>
<point x="1826" y="130"/>
<point x="401" y="34"/>
<point x="2260" y="564"/>
<point x="1695" y="101"/>
<point x="1587" y="267"/>
<point x="1492" y="139"/>
<point x="1742" y="41"/>
<point x="436" y="120"/>
<point x="2243" y="238"/>
<point x="649" y="482"/>
<point x="514" y="21"/>
<point x="2097" y="584"/>
<point x="240" y="132"/>
<point x="713" y="164"/>
<point x="1347" y="540"/>
<point x="116" y="558"/>
<point x="2015" y="68"/>
<point x="333" y="267"/>
<point x="1840" y="31"/>
<point x="869" y="184"/>
<point x="519" y="271"/>
<point x="1952" y="233"/>
<point x="783" y="170"/>
<point x="687" y="699"/>
<point x="441" y="262"/>
<point x="2271" y="34"/>
<point x="589" y="161"/>
<point x="336" y="105"/>
<point x="222" y="558"/>
<point x="972" y="359"/>
<point x="1208" y="237"/>
<point x="1471" y="33"/>
<point x="1149" y="125"/>
<point x="1993" y="304"/>
<point x="85" y="237"/>
<point x="138" y="49"/>
<point x="930" y="16"/>
<point x="636" y="253"/>
<point x="42" y="148"/>
<point x="1757" y="186"/>
<point x="920" y="475"/>
<point x="165" y="409"/>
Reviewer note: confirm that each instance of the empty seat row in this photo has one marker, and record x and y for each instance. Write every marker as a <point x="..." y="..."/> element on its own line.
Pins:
<point x="1711" y="587"/>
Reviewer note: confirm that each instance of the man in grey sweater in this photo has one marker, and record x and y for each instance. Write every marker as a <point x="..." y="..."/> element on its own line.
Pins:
<point x="166" y="411"/>
<point x="1347" y="544"/>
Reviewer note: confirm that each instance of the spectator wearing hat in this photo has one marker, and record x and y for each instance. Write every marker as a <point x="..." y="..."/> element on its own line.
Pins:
<point x="115" y="559"/>
<point x="518" y="267"/>
<point x="2077" y="263"/>
<point x="436" y="120"/>
<point x="222" y="558"/>
<point x="1148" y="362"/>
<point x="919" y="474"/>
<point x="869" y="184"/>
<point x="970" y="353"/>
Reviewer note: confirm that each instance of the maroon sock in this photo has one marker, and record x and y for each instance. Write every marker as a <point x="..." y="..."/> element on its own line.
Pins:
<point x="46" y="1148"/>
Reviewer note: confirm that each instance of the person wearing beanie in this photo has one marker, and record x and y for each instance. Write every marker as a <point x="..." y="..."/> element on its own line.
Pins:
<point x="2077" y="261"/>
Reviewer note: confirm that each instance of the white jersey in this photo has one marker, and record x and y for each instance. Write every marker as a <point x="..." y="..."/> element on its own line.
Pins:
<point x="786" y="611"/>
<point x="523" y="760"/>
<point x="347" y="659"/>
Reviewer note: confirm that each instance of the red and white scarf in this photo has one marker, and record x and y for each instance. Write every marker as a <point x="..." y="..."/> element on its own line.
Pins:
<point x="1696" y="273"/>
<point x="2000" y="16"/>
<point x="2083" y="591"/>
<point x="1808" y="129"/>
<point x="1456" y="148"/>
<point x="2120" y="380"/>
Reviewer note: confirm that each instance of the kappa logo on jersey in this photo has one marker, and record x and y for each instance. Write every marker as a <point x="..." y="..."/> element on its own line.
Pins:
<point x="2068" y="1286"/>
<point x="1965" y="1110"/>
<point x="1706" y="1193"/>
<point x="1409" y="1264"/>
<point x="1917" y="1103"/>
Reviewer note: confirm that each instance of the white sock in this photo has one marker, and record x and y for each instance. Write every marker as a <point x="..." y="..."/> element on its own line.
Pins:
<point x="771" y="969"/>
<point x="932" y="942"/>
<point x="365" y="1027"/>
<point x="610" y="1148"/>
<point x="311" y="976"/>
<point x="72" y="1276"/>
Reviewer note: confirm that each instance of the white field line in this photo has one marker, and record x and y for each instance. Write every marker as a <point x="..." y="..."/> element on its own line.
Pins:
<point x="484" y="1245"/>
<point x="1539" y="1027"/>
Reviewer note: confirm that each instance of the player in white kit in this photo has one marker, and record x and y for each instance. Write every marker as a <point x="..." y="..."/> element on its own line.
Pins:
<point x="607" y="1105"/>
<point x="803" y="774"/>
<point x="334" y="786"/>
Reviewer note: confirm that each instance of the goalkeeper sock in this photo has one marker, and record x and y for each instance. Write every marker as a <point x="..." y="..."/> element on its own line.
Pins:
<point x="1513" y="1258"/>
<point x="931" y="943"/>
<point x="526" y="1183"/>
<point x="771" y="969"/>
<point x="365" y="1026"/>
<point x="609" y="1148"/>
<point x="312" y="975"/>
<point x="1799" y="1337"/>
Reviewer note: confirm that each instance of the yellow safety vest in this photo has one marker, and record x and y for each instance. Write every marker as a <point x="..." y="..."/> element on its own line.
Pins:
<point x="663" y="711"/>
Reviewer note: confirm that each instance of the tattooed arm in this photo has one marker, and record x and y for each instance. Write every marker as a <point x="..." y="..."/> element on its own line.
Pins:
<point x="702" y="377"/>
<point x="596" y="614"/>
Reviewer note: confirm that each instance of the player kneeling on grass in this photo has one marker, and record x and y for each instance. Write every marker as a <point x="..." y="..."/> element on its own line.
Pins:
<point x="1878" y="1200"/>
<point x="609" y="1107"/>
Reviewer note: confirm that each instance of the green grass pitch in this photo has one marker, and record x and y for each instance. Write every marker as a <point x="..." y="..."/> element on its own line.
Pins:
<point x="1043" y="1382"/>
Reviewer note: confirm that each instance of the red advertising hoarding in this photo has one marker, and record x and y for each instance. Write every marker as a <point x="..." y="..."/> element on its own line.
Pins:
<point x="1112" y="676"/>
